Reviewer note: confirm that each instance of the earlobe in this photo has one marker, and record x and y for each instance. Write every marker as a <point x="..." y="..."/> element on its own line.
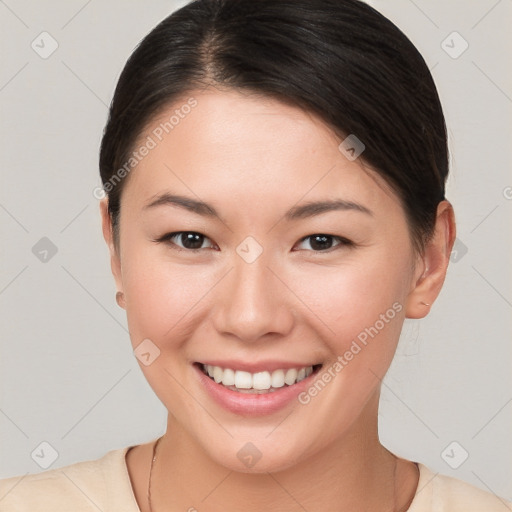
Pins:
<point x="435" y="258"/>
<point x="120" y="300"/>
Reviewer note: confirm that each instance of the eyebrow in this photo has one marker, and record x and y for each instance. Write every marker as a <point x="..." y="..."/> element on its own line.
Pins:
<point x="309" y="209"/>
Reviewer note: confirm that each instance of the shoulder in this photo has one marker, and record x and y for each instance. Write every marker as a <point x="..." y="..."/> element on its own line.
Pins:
<point x="90" y="485"/>
<point x="442" y="493"/>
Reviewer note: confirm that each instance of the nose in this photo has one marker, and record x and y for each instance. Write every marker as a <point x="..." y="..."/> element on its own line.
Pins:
<point x="254" y="301"/>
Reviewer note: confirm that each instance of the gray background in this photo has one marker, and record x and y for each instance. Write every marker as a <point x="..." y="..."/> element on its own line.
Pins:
<point x="68" y="375"/>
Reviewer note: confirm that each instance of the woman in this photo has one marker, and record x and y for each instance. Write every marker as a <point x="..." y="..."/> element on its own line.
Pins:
<point x="275" y="208"/>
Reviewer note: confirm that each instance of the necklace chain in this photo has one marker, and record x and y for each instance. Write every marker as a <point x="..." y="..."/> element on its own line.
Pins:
<point x="404" y="509"/>
<point x="151" y="472"/>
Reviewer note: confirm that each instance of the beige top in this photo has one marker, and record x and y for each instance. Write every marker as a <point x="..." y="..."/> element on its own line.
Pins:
<point x="104" y="484"/>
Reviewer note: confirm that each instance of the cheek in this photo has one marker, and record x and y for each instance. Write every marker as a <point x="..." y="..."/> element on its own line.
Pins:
<point x="353" y="292"/>
<point x="161" y="296"/>
<point x="361" y="301"/>
<point x="163" y="301"/>
<point x="362" y="306"/>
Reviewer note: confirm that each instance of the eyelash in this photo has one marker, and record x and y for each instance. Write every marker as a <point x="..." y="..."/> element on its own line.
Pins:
<point x="343" y="242"/>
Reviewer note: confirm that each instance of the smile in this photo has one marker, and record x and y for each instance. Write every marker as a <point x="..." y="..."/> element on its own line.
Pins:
<point x="259" y="382"/>
<point x="254" y="388"/>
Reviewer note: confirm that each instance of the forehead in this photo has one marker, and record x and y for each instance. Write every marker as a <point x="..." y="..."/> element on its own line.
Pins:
<point x="248" y="149"/>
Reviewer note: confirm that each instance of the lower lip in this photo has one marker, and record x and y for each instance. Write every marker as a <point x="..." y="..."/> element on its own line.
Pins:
<point x="248" y="404"/>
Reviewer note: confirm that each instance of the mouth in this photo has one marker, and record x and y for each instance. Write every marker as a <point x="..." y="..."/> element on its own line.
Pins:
<point x="252" y="389"/>
<point x="258" y="383"/>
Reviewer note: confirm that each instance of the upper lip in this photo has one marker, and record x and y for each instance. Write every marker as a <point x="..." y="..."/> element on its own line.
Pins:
<point x="255" y="367"/>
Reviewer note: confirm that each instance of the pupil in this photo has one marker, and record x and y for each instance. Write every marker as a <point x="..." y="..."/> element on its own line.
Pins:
<point x="320" y="241"/>
<point x="192" y="240"/>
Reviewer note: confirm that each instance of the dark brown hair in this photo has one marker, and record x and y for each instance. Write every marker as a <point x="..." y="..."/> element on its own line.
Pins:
<point x="339" y="59"/>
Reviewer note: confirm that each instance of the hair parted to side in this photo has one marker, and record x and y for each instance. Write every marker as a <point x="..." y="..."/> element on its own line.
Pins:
<point x="339" y="59"/>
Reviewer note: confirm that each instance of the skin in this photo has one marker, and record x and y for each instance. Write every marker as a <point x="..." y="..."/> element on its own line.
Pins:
<point x="252" y="159"/>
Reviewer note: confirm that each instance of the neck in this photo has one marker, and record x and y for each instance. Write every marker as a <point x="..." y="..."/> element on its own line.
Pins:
<point x="354" y="472"/>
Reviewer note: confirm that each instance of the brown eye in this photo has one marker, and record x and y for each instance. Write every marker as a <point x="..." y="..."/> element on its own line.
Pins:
<point x="187" y="240"/>
<point x="320" y="242"/>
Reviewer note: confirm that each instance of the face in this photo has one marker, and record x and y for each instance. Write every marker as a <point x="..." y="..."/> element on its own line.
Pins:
<point x="260" y="282"/>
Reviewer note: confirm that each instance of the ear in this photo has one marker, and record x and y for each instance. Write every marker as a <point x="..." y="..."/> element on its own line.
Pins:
<point x="115" y="259"/>
<point x="432" y="265"/>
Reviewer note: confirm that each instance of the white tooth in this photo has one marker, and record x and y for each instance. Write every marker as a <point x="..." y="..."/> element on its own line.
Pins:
<point x="291" y="376"/>
<point x="228" y="379"/>
<point x="278" y="379"/>
<point x="261" y="380"/>
<point x="243" y="380"/>
<point x="217" y="373"/>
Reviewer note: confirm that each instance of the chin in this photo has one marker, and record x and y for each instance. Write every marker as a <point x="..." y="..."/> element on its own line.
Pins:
<point x="261" y="454"/>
